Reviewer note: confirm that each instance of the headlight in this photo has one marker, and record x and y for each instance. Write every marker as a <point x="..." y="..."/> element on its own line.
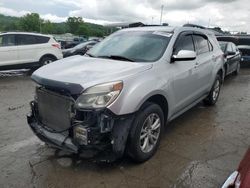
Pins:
<point x="99" y="96"/>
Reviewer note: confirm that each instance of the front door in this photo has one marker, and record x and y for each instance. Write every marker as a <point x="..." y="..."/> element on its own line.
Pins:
<point x="184" y="74"/>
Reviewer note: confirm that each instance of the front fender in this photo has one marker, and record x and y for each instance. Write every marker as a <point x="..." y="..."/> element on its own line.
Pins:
<point x="137" y="90"/>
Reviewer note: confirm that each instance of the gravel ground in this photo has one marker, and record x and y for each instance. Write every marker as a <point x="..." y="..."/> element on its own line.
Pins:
<point x="199" y="149"/>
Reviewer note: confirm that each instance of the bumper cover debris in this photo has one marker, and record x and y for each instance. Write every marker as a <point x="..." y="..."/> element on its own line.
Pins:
<point x="104" y="144"/>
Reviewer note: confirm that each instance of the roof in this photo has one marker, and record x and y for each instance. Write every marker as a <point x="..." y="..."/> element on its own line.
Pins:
<point x="169" y="29"/>
<point x="25" y="33"/>
<point x="149" y="28"/>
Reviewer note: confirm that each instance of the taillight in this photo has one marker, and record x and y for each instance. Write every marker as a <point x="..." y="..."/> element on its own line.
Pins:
<point x="56" y="45"/>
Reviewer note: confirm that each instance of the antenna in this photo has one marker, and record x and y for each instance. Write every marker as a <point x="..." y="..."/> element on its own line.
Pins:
<point x="162" y="6"/>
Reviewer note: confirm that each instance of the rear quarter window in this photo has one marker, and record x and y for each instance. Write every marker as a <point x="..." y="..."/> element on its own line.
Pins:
<point x="42" y="39"/>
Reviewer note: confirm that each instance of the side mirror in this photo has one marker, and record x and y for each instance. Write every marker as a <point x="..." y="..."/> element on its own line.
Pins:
<point x="228" y="53"/>
<point x="184" y="55"/>
<point x="88" y="47"/>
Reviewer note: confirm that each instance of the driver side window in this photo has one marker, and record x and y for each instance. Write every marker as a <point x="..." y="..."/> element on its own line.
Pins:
<point x="184" y="42"/>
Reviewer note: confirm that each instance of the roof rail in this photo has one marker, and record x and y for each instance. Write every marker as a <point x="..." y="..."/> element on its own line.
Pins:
<point x="154" y="25"/>
<point x="194" y="25"/>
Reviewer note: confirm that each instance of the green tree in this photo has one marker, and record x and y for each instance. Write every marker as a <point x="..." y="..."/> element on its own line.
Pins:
<point x="47" y="27"/>
<point x="83" y="30"/>
<point x="74" y="23"/>
<point x="31" y="22"/>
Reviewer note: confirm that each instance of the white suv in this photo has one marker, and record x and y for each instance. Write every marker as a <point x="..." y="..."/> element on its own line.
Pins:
<point x="27" y="50"/>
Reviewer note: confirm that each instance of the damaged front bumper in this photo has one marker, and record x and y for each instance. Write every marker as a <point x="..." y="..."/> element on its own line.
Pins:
<point x="101" y="139"/>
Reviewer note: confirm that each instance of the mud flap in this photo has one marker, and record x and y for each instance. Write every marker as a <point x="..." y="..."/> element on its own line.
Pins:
<point x="120" y="134"/>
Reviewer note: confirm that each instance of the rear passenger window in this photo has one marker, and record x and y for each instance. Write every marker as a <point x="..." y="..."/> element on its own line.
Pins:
<point x="202" y="44"/>
<point x="26" y="39"/>
<point x="184" y="42"/>
<point x="7" y="40"/>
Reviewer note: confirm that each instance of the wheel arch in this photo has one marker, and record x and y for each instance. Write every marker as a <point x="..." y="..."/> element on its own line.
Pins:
<point x="160" y="100"/>
<point x="48" y="55"/>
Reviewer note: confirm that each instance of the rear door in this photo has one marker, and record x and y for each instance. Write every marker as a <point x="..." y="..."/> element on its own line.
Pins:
<point x="26" y="48"/>
<point x="8" y="50"/>
<point x="184" y="74"/>
<point x="230" y="59"/>
<point x="236" y="58"/>
<point x="204" y="62"/>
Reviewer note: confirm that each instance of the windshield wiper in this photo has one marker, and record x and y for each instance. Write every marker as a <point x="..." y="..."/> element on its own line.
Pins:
<point x="117" y="57"/>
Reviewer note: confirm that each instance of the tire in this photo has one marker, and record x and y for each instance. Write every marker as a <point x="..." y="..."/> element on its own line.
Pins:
<point x="46" y="60"/>
<point x="237" y="71"/>
<point x="143" y="140"/>
<point x="214" y="93"/>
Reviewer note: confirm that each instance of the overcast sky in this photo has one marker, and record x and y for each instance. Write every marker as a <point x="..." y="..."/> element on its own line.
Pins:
<point x="233" y="15"/>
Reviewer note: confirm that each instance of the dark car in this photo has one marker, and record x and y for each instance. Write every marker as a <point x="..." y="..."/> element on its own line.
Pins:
<point x="245" y="53"/>
<point x="241" y="177"/>
<point x="236" y="39"/>
<point x="79" y="49"/>
<point x="74" y="42"/>
<point x="232" y="57"/>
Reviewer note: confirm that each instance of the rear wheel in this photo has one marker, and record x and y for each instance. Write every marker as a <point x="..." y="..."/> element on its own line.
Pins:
<point x="47" y="60"/>
<point x="146" y="132"/>
<point x="214" y="93"/>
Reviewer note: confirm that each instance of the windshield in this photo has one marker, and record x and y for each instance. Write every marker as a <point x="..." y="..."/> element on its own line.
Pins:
<point x="137" y="46"/>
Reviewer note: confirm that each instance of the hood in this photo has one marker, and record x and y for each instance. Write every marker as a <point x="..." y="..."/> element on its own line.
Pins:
<point x="69" y="50"/>
<point x="82" y="72"/>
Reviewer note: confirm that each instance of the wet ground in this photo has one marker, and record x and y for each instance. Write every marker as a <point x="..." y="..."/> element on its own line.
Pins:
<point x="199" y="149"/>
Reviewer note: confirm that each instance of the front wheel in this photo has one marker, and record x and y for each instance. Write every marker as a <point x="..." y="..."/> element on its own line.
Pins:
<point x="214" y="93"/>
<point x="146" y="132"/>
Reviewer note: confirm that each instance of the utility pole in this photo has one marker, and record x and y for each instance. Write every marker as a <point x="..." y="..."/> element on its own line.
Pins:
<point x="209" y="22"/>
<point x="162" y="6"/>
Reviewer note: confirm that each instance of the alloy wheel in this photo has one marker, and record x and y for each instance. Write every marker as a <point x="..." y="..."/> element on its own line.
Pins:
<point x="216" y="90"/>
<point x="150" y="132"/>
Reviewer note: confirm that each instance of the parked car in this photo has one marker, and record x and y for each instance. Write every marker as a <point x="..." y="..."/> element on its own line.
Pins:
<point x="27" y="50"/>
<point x="236" y="39"/>
<point x="74" y="42"/>
<point x="119" y="95"/>
<point x="245" y="53"/>
<point x="232" y="58"/>
<point x="241" y="177"/>
<point x="79" y="49"/>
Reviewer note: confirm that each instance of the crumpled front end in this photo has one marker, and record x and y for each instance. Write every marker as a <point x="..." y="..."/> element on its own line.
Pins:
<point x="56" y="121"/>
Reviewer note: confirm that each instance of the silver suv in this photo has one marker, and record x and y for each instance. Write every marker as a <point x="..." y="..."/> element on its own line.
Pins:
<point x="118" y="97"/>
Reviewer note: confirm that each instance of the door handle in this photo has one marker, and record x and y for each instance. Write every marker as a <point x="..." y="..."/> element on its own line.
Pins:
<point x="196" y="65"/>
